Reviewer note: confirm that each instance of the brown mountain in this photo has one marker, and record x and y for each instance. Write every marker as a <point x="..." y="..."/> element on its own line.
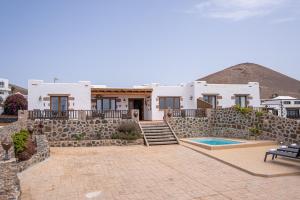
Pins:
<point x="270" y="81"/>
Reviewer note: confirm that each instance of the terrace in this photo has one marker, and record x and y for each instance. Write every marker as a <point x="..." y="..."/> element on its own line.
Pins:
<point x="123" y="169"/>
<point x="137" y="172"/>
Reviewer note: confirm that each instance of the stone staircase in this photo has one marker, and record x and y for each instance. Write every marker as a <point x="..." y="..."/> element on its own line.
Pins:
<point x="158" y="133"/>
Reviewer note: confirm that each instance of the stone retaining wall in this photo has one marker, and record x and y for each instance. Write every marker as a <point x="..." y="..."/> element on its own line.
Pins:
<point x="9" y="181"/>
<point x="281" y="129"/>
<point x="229" y="122"/>
<point x="42" y="152"/>
<point x="94" y="143"/>
<point x="67" y="130"/>
<point x="190" y="127"/>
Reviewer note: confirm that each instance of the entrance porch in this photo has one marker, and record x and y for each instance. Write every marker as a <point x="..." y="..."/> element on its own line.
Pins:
<point x="126" y="99"/>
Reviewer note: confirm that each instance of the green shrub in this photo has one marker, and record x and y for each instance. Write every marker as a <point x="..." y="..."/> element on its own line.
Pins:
<point x="78" y="136"/>
<point x="254" y="131"/>
<point x="244" y="110"/>
<point x="259" y="114"/>
<point x="126" y="136"/>
<point x="19" y="140"/>
<point x="127" y="131"/>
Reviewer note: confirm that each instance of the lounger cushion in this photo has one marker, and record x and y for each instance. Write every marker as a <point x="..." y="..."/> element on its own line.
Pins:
<point x="283" y="153"/>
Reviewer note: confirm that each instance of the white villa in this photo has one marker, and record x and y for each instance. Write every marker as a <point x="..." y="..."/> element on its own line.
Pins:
<point x="4" y="92"/>
<point x="151" y="100"/>
<point x="284" y="106"/>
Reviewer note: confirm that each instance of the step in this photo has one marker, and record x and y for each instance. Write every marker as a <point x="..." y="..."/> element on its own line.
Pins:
<point x="162" y="126"/>
<point x="161" y="140"/>
<point x="154" y="122"/>
<point x="163" y="143"/>
<point x="156" y="129"/>
<point x="156" y="133"/>
<point x="159" y="136"/>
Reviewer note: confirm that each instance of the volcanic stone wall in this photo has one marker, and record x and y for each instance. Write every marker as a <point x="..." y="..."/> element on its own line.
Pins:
<point x="190" y="126"/>
<point x="68" y="130"/>
<point x="230" y="122"/>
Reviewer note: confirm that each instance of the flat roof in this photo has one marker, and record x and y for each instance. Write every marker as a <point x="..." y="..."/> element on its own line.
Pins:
<point x="121" y="91"/>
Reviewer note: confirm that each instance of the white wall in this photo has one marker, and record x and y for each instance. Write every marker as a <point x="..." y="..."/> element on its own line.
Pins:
<point x="38" y="90"/>
<point x="190" y="92"/>
<point x="164" y="91"/>
<point x="226" y="91"/>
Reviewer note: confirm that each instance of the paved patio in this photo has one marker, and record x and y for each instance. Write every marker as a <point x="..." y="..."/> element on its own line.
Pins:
<point x="137" y="172"/>
<point x="250" y="160"/>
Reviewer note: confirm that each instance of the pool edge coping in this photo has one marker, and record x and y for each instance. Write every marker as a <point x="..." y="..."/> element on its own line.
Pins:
<point x="242" y="144"/>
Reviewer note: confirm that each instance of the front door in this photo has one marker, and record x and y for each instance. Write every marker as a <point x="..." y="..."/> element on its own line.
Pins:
<point x="59" y="103"/>
<point x="137" y="104"/>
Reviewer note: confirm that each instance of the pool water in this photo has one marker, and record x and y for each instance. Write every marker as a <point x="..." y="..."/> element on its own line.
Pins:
<point x="215" y="141"/>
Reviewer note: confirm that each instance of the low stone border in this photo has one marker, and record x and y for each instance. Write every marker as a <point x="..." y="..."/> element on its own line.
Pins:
<point x="94" y="143"/>
<point x="43" y="152"/>
<point x="9" y="181"/>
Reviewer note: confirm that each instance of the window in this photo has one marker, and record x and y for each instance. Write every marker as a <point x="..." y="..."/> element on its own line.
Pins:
<point x="169" y="103"/>
<point x="296" y="102"/>
<point x="211" y="99"/>
<point x="1" y="92"/>
<point x="286" y="102"/>
<point x="1" y="84"/>
<point x="106" y="104"/>
<point x="241" y="101"/>
<point x="292" y="113"/>
<point x="59" y="103"/>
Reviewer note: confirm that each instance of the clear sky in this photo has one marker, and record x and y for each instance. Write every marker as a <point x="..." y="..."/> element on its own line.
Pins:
<point x="130" y="42"/>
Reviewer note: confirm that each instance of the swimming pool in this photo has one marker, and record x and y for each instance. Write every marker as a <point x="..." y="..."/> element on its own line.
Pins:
<point x="211" y="143"/>
<point x="215" y="141"/>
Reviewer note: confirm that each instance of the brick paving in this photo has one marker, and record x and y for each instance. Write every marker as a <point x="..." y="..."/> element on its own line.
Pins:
<point x="141" y="173"/>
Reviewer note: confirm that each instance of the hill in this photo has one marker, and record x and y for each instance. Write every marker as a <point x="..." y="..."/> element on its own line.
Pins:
<point x="16" y="88"/>
<point x="271" y="82"/>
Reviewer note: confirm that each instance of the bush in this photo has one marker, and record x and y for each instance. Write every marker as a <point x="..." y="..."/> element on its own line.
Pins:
<point x="254" y="131"/>
<point x="127" y="131"/>
<point x="19" y="140"/>
<point x="23" y="145"/>
<point x="79" y="136"/>
<point x="259" y="114"/>
<point x="244" y="110"/>
<point x="13" y="103"/>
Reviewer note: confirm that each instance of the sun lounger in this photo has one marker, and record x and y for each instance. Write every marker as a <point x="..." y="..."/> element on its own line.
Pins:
<point x="287" y="149"/>
<point x="294" y="146"/>
<point x="287" y="154"/>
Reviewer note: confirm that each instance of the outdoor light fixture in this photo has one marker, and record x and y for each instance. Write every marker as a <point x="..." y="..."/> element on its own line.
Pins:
<point x="40" y="98"/>
<point x="191" y="97"/>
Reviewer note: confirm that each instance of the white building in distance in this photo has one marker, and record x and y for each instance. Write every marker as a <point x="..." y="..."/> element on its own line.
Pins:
<point x="284" y="106"/>
<point x="4" y="92"/>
